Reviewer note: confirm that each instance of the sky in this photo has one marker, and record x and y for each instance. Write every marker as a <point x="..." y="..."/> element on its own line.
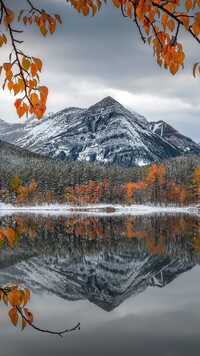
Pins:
<point x="87" y="59"/>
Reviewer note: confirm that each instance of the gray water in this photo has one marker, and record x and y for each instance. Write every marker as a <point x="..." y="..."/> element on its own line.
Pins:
<point x="133" y="283"/>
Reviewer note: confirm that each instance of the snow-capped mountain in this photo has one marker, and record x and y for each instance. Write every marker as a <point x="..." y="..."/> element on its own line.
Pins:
<point x="167" y="132"/>
<point x="106" y="132"/>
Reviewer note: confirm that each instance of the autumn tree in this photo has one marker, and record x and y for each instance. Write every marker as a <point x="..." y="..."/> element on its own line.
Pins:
<point x="69" y="195"/>
<point x="158" y="22"/>
<point x="196" y="183"/>
<point x="15" y="183"/>
<point x="48" y="197"/>
<point x="32" y="190"/>
<point x="154" y="181"/>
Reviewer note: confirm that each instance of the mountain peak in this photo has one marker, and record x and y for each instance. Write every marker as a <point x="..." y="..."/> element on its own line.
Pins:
<point x="106" y="102"/>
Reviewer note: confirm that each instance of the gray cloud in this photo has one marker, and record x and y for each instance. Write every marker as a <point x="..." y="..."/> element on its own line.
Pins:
<point x="89" y="58"/>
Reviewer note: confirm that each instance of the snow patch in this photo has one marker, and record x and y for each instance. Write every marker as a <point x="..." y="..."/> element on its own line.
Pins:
<point x="96" y="209"/>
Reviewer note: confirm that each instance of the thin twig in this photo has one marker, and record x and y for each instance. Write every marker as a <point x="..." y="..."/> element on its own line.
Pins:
<point x="60" y="333"/>
<point x="138" y="26"/>
<point x="33" y="7"/>
<point x="122" y="10"/>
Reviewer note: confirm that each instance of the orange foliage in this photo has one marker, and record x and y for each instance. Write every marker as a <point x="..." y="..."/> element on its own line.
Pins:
<point x="11" y="294"/>
<point x="158" y="22"/>
<point x="9" y="234"/>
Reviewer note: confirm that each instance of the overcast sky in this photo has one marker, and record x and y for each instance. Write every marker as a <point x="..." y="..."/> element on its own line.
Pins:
<point x="89" y="58"/>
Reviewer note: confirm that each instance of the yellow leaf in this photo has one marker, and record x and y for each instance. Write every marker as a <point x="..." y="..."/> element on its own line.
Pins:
<point x="24" y="323"/>
<point x="26" y="64"/>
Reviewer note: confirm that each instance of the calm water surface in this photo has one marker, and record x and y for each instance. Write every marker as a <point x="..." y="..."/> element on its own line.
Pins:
<point x="132" y="282"/>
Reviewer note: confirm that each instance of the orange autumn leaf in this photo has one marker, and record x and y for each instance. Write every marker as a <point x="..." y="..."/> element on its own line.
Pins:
<point x="13" y="316"/>
<point x="10" y="234"/>
<point x="28" y="315"/>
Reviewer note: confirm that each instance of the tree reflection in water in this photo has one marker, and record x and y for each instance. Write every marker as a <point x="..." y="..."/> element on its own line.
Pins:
<point x="106" y="259"/>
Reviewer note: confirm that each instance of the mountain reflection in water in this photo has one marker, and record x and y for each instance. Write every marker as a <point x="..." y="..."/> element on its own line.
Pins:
<point x="102" y="259"/>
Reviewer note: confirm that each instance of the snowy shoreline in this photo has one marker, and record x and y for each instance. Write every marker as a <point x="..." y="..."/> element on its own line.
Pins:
<point x="96" y="209"/>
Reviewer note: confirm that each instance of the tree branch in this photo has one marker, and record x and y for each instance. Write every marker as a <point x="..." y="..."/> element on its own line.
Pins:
<point x="138" y="26"/>
<point x="13" y="41"/>
<point x="6" y="290"/>
<point x="175" y="17"/>
<point x="60" y="333"/>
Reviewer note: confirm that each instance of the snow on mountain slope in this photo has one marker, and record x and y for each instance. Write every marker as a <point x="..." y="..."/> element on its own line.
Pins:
<point x="106" y="132"/>
<point x="167" y="132"/>
<point x="106" y="280"/>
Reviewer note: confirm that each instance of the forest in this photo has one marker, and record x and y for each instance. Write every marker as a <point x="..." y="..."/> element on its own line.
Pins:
<point x="30" y="179"/>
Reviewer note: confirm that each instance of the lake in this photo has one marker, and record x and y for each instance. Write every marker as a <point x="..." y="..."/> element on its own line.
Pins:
<point x="133" y="283"/>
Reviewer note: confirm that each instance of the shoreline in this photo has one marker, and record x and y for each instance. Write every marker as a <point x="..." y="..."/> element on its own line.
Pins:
<point x="97" y="209"/>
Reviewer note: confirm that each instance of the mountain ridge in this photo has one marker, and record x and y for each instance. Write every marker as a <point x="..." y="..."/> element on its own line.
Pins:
<point x="106" y="132"/>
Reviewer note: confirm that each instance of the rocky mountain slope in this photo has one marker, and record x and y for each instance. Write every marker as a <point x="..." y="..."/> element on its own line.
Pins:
<point x="167" y="132"/>
<point x="104" y="280"/>
<point x="106" y="132"/>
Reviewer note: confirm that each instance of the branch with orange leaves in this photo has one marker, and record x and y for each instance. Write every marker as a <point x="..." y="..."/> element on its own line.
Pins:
<point x="17" y="298"/>
<point x="158" y="22"/>
<point x="22" y="71"/>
